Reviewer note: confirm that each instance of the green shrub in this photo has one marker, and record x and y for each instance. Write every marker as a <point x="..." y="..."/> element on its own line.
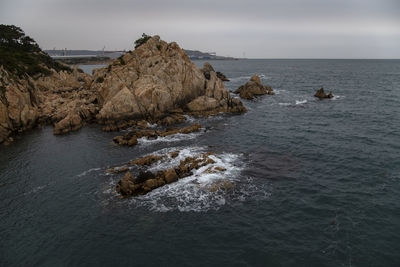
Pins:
<point x="121" y="60"/>
<point x="142" y="40"/>
<point x="100" y="80"/>
<point x="21" y="55"/>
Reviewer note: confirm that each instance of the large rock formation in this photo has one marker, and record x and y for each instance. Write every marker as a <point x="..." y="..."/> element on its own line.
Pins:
<point x="154" y="79"/>
<point x="253" y="88"/>
<point x="321" y="94"/>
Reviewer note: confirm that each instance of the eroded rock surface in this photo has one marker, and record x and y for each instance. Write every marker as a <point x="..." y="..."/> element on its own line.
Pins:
<point x="130" y="138"/>
<point x="156" y="78"/>
<point x="18" y="105"/>
<point x="253" y="88"/>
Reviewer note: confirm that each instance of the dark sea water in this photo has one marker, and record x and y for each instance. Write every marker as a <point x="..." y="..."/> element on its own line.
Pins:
<point x="316" y="183"/>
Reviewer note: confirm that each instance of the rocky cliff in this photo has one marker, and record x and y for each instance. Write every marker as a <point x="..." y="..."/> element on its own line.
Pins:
<point x="154" y="79"/>
<point x="18" y="104"/>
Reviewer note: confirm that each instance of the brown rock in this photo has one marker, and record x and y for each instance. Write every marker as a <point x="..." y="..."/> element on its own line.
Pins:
<point x="156" y="79"/>
<point x="222" y="76"/>
<point x="146" y="161"/>
<point x="126" y="186"/>
<point x="321" y="94"/>
<point x="174" y="154"/>
<point x="253" y="88"/>
<point x="170" y="176"/>
<point x="117" y="169"/>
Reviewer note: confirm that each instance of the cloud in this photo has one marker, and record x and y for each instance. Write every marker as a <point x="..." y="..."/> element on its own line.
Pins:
<point x="309" y="28"/>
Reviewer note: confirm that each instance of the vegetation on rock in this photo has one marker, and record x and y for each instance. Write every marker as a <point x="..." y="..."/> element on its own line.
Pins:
<point x="142" y="40"/>
<point x="21" y="55"/>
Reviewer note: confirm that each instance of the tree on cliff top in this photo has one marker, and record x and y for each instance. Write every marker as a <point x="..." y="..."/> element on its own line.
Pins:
<point x="142" y="40"/>
<point x="21" y="55"/>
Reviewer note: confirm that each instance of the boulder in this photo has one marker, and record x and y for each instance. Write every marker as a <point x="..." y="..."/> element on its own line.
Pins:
<point x="321" y="94"/>
<point x="170" y="176"/>
<point x="130" y="138"/>
<point x="253" y="88"/>
<point x="126" y="185"/>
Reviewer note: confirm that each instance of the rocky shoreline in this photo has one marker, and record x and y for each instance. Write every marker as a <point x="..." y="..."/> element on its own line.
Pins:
<point x="155" y="83"/>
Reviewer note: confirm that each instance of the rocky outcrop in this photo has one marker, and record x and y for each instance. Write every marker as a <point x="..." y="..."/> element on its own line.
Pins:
<point x="147" y="181"/>
<point x="130" y="138"/>
<point x="156" y="78"/>
<point x="222" y="76"/>
<point x="253" y="88"/>
<point x="321" y="94"/>
<point x="66" y="100"/>
<point x="18" y="105"/>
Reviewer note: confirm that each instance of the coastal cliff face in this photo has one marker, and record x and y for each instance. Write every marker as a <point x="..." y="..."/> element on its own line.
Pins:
<point x="61" y="98"/>
<point x="18" y="104"/>
<point x="155" y="78"/>
<point x="35" y="89"/>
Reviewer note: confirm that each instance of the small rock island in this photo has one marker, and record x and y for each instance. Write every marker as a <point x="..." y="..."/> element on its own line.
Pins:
<point x="321" y="94"/>
<point x="253" y="88"/>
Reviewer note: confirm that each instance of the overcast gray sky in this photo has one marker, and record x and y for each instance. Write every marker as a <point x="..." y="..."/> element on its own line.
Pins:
<point x="260" y="29"/>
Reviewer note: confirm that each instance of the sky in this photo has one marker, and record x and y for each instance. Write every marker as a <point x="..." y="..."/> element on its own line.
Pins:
<point x="249" y="28"/>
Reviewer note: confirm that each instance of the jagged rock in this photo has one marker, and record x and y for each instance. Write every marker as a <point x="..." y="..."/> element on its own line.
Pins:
<point x="117" y="169"/>
<point x="126" y="185"/>
<point x="174" y="118"/>
<point x="147" y="181"/>
<point x="71" y="122"/>
<point x="155" y="79"/>
<point x="174" y="154"/>
<point x="321" y="94"/>
<point x="219" y="185"/>
<point x="131" y="137"/>
<point x="144" y="176"/>
<point x="253" y="88"/>
<point x="146" y="161"/>
<point x="170" y="176"/>
<point x="222" y="76"/>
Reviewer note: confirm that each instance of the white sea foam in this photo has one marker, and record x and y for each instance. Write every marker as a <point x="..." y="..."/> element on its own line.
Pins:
<point x="198" y="192"/>
<point x="189" y="118"/>
<point x="284" y="104"/>
<point x="300" y="102"/>
<point x="88" y="171"/>
<point x="170" y="138"/>
<point x="337" y="97"/>
<point x="240" y="78"/>
<point x="192" y="193"/>
<point x="36" y="189"/>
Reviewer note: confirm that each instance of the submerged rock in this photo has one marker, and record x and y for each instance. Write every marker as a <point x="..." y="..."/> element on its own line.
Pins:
<point x="131" y="137"/>
<point x="321" y="94"/>
<point x="253" y="88"/>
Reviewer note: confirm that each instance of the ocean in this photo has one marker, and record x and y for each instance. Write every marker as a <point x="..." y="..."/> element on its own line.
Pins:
<point x="315" y="182"/>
